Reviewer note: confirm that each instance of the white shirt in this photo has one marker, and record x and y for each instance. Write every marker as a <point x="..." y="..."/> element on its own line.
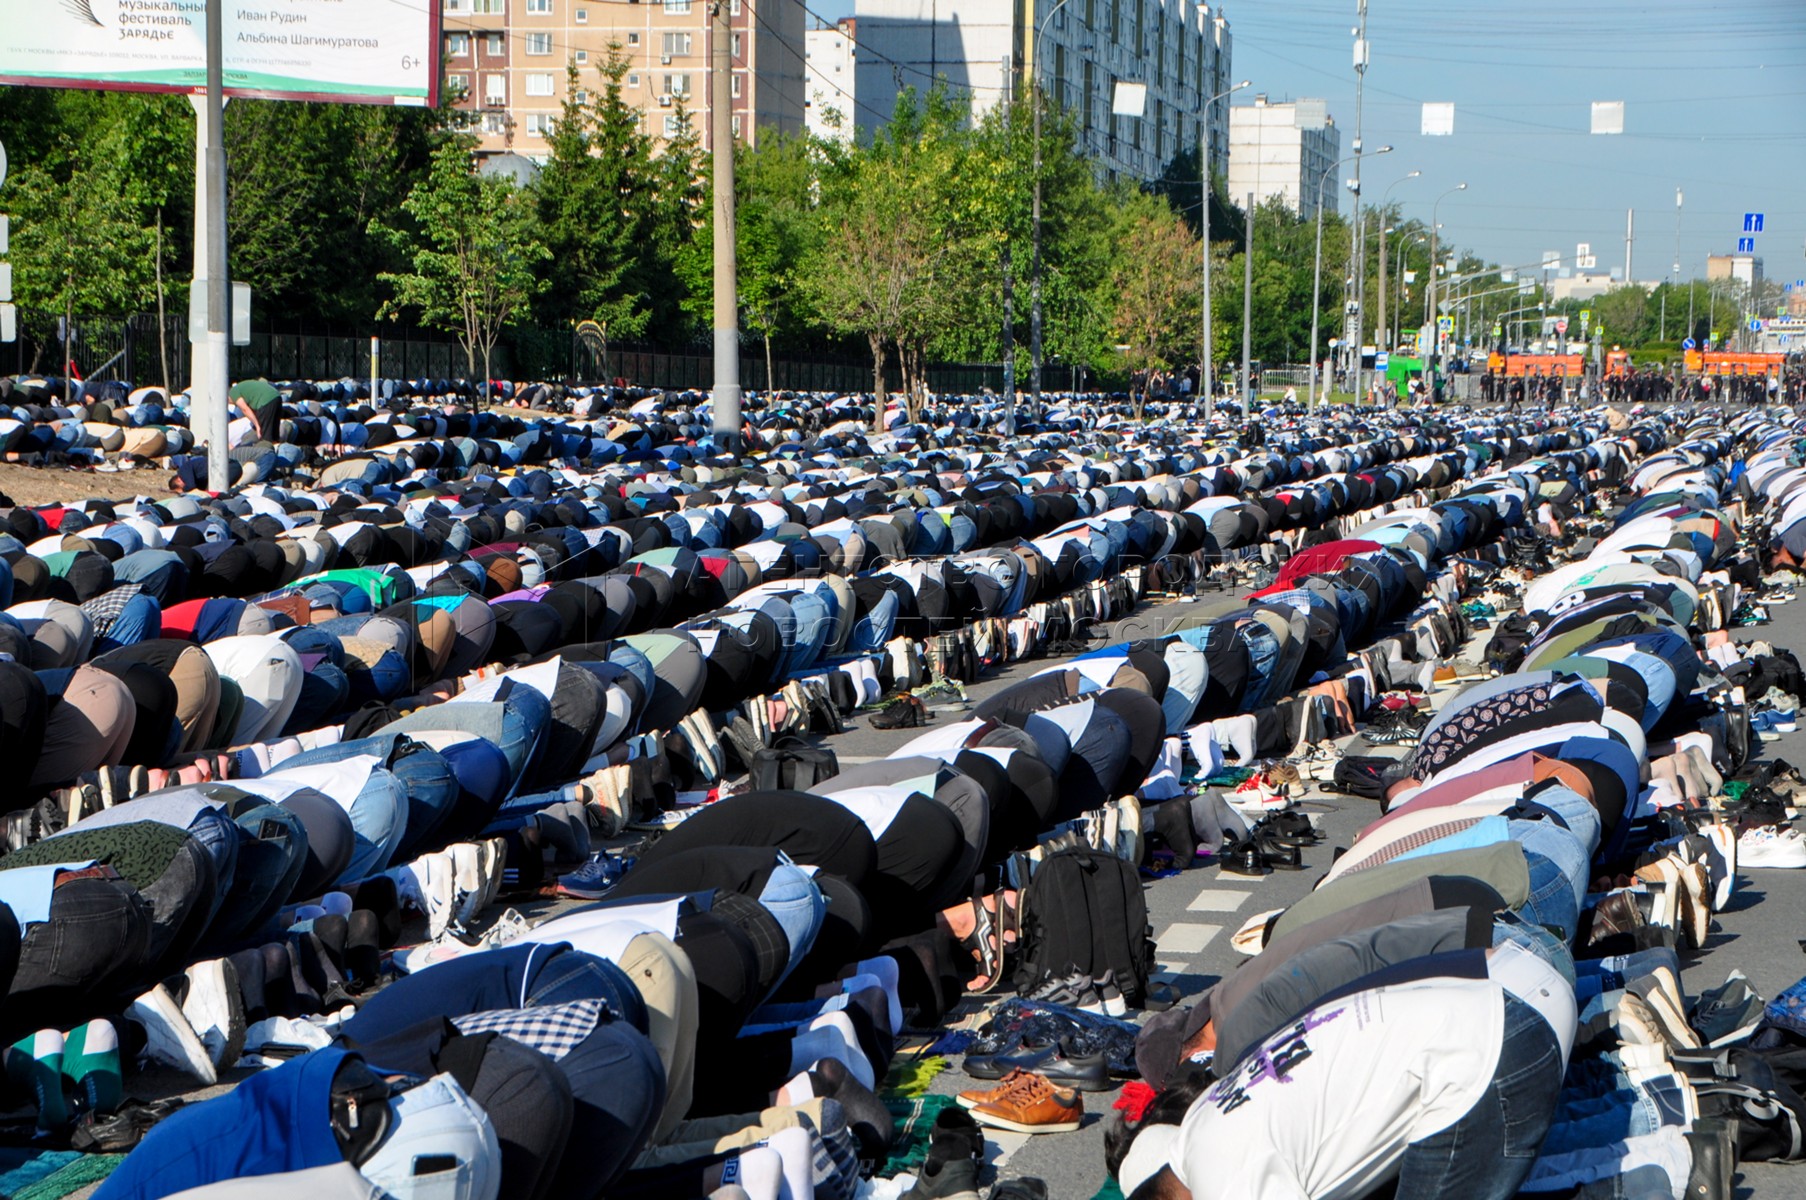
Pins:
<point x="1325" y="1108"/>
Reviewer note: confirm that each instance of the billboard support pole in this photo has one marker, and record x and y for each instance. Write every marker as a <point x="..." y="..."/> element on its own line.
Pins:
<point x="219" y="283"/>
<point x="724" y="400"/>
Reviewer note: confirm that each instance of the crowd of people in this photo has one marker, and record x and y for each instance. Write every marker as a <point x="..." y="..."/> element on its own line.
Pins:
<point x="285" y="751"/>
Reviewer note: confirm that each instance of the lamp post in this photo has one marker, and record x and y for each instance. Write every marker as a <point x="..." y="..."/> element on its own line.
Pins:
<point x="1204" y="387"/>
<point x="1398" y="271"/>
<point x="1380" y="330"/>
<point x="1317" y="277"/>
<point x="1436" y="325"/>
<point x="1034" y="314"/>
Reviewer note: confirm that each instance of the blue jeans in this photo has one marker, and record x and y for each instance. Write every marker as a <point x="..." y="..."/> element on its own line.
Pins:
<point x="514" y="977"/>
<point x="431" y="787"/>
<point x="140" y="620"/>
<point x="791" y="896"/>
<point x="1584" y="1122"/>
<point x="1487" y="1153"/>
<point x="512" y="725"/>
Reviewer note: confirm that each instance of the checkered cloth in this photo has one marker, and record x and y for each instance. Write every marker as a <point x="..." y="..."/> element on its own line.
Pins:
<point x="554" y="1030"/>
<point x="105" y="608"/>
<point x="770" y="946"/>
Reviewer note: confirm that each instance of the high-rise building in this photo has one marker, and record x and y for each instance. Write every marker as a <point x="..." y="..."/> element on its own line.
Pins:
<point x="1134" y="74"/>
<point x="507" y="59"/>
<point x="1744" y="268"/>
<point x="1284" y="150"/>
<point x="828" y="64"/>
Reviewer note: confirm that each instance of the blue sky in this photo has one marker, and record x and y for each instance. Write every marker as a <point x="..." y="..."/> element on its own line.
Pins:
<point x="1715" y="103"/>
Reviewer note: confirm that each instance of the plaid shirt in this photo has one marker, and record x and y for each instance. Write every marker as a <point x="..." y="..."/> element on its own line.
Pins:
<point x="105" y="608"/>
<point x="554" y="1030"/>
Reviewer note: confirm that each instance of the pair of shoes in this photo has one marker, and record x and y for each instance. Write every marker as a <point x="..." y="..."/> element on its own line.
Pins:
<point x="1025" y="1102"/>
<point x="1765" y="846"/>
<point x="170" y="1036"/>
<point x="1061" y="1064"/>
<point x="905" y="712"/>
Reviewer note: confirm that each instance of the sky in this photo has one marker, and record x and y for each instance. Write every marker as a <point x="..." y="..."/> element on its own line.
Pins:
<point x="1714" y="96"/>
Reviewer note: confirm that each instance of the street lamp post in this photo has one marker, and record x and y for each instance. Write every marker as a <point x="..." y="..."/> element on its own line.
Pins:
<point x="1317" y="277"/>
<point x="1204" y="387"/>
<point x="1034" y="316"/>
<point x="1385" y="198"/>
<point x="1435" y="324"/>
<point x="1398" y="271"/>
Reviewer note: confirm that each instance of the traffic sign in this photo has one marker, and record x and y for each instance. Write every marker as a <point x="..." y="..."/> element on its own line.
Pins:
<point x="1561" y="324"/>
<point x="1746" y="245"/>
<point x="1498" y="331"/>
<point x="1689" y="344"/>
<point x="1586" y="316"/>
<point x="1752" y="222"/>
<point x="1445" y="324"/>
<point x="1755" y="324"/>
<point x="1713" y="336"/>
<point x="1382" y="360"/>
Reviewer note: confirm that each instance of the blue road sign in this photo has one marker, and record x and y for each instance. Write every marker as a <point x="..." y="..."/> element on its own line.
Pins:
<point x="1752" y="222"/>
<point x="1755" y="325"/>
<point x="1689" y="344"/>
<point x="1746" y="245"/>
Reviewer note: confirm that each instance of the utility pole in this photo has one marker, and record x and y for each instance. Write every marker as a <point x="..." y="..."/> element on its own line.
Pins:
<point x="1009" y="281"/>
<point x="219" y="283"/>
<point x="1675" y="274"/>
<point x="1630" y="237"/>
<point x="1204" y="356"/>
<point x="1248" y="307"/>
<point x="724" y="402"/>
<point x="1360" y="226"/>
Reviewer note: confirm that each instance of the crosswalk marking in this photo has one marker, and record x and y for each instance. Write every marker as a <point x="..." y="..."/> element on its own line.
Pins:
<point x="1187" y="937"/>
<point x="1213" y="901"/>
<point x="1006" y="1142"/>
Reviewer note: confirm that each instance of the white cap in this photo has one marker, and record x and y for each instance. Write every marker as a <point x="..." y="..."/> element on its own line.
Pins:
<point x="1152" y="1150"/>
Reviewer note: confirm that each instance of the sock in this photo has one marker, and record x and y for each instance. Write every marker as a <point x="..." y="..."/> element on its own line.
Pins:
<point x="91" y="1060"/>
<point x="870" y="1121"/>
<point x="36" y="1064"/>
<point x="759" y="1171"/>
<point x="797" y="1091"/>
<point x="884" y="970"/>
<point x="796" y="1151"/>
<point x="811" y="1045"/>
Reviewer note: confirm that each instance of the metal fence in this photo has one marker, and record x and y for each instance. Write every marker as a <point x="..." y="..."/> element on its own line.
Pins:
<point x="140" y="351"/>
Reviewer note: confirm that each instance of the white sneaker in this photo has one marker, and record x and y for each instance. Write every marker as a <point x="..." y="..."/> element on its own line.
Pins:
<point x="1766" y="847"/>
<point x="469" y="884"/>
<point x="216" y="1010"/>
<point x="169" y="1038"/>
<point x="1770" y="848"/>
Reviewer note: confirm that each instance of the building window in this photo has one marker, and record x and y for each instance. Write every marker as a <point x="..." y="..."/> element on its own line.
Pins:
<point x="495" y="122"/>
<point x="672" y="128"/>
<point x="677" y="45"/>
<point x="457" y="6"/>
<point x="735" y="87"/>
<point x="677" y="7"/>
<point x="736" y="124"/>
<point x="582" y="57"/>
<point x="539" y="124"/>
<point x="633" y="79"/>
<point x="540" y="8"/>
<point x="583" y="16"/>
<point x="734" y="47"/>
<point x="492" y="45"/>
<point x="495" y="89"/>
<point x="457" y="45"/>
<point x="582" y="96"/>
<point x="459" y="85"/>
<point x="733" y="10"/>
<point x="492" y="7"/>
<point x="677" y="85"/>
<point x="633" y="39"/>
<point x="539" y="84"/>
<point x="539" y="43"/>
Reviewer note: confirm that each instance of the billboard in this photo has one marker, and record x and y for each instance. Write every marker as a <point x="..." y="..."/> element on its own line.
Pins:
<point x="335" y="50"/>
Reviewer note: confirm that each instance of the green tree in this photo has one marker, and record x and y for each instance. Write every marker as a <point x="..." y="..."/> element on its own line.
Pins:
<point x="472" y="253"/>
<point x="1156" y="298"/>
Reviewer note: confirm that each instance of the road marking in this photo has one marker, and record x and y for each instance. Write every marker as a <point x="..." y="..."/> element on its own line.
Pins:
<point x="1187" y="937"/>
<point x="1007" y="1143"/>
<point x="1212" y="901"/>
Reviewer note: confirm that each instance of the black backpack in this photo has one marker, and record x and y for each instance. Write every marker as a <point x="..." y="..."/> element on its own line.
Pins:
<point x="791" y="764"/>
<point x="1083" y="910"/>
<point x="1356" y="775"/>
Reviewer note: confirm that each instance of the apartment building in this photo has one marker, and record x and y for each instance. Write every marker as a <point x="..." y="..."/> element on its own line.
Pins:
<point x="1284" y="150"/>
<point x="1135" y="74"/>
<point x="828" y="64"/>
<point x="507" y="59"/>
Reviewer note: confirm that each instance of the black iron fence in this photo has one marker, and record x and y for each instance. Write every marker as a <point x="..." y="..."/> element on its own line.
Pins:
<point x="143" y="351"/>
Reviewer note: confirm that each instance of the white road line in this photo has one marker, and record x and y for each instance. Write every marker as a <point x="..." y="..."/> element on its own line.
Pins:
<point x="1214" y="901"/>
<point x="1006" y="1143"/>
<point x="1187" y="937"/>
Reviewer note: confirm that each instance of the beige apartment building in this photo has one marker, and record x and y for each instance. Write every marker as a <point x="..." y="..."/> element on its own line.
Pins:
<point x="508" y="58"/>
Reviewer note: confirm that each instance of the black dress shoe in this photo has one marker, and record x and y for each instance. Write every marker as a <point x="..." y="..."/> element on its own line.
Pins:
<point x="1061" y="1067"/>
<point x="1244" y="858"/>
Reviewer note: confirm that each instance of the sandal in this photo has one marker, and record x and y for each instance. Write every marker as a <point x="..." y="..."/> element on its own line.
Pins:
<point x="986" y="941"/>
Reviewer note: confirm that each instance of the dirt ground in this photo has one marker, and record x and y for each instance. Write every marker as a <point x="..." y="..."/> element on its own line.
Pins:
<point x="53" y="485"/>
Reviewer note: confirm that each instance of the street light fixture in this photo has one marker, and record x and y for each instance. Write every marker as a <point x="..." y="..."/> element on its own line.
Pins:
<point x="1204" y="349"/>
<point x="1398" y="270"/>
<point x="1380" y="330"/>
<point x="1435" y="324"/>
<point x="1317" y="278"/>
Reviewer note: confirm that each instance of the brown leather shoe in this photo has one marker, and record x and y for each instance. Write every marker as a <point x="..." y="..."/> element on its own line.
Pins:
<point x="1617" y="912"/>
<point x="1030" y="1104"/>
<point x="973" y="1097"/>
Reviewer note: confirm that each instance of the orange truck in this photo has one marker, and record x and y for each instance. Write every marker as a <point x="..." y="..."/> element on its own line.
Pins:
<point x="1729" y="362"/>
<point x="1571" y="366"/>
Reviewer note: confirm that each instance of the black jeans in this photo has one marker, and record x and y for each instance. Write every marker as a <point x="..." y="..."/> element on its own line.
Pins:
<point x="97" y="941"/>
